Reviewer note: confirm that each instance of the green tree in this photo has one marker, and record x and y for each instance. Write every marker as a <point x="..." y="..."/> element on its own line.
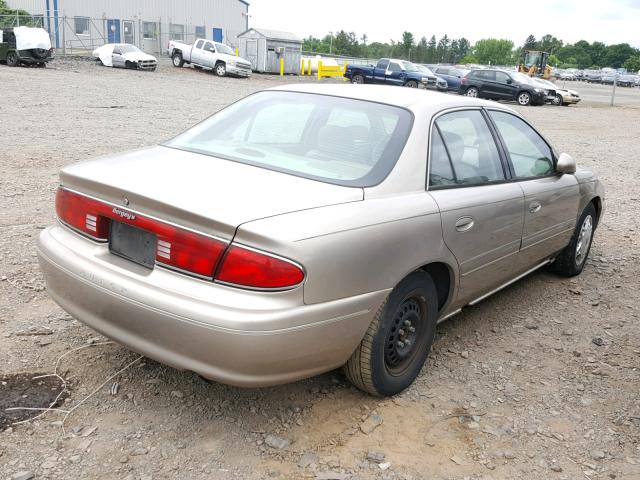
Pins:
<point x="442" y="50"/>
<point x="407" y="44"/>
<point x="632" y="64"/>
<point x="550" y="44"/>
<point x="618" y="54"/>
<point x="492" y="51"/>
<point x="431" y="49"/>
<point x="530" y="43"/>
<point x="8" y="16"/>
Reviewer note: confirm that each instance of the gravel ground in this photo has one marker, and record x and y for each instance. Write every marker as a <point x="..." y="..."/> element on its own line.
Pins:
<point x="538" y="382"/>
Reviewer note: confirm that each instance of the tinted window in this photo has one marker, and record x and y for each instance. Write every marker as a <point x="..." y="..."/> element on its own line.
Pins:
<point x="383" y="64"/>
<point x="209" y="47"/>
<point x="485" y="74"/>
<point x="338" y="140"/>
<point x="502" y="77"/>
<point x="472" y="150"/>
<point x="443" y="71"/>
<point x="394" y="67"/>
<point x="530" y="155"/>
<point x="199" y="44"/>
<point x="440" y="171"/>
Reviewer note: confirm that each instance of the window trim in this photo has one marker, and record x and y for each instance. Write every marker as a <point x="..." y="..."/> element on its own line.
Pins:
<point x="75" y="28"/>
<point x="506" y="169"/>
<point x="515" y="178"/>
<point x="154" y="32"/>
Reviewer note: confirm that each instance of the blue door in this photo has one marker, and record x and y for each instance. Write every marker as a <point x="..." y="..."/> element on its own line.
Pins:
<point x="217" y="35"/>
<point x="113" y="30"/>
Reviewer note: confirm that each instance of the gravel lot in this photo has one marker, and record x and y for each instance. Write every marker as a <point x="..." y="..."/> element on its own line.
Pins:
<point x="541" y="381"/>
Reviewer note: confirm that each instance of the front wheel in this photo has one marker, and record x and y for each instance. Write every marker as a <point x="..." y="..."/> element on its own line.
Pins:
<point x="558" y="100"/>
<point x="472" y="92"/>
<point x="177" y="60"/>
<point x="357" y="79"/>
<point x="524" y="98"/>
<point x="398" y="340"/>
<point x="411" y="84"/>
<point x="12" y="59"/>
<point x="221" y="69"/>
<point x="571" y="260"/>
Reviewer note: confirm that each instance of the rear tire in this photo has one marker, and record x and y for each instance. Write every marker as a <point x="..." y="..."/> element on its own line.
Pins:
<point x="359" y="79"/>
<point x="12" y="59"/>
<point x="472" y="92"/>
<point x="398" y="340"/>
<point x="572" y="259"/>
<point x="177" y="60"/>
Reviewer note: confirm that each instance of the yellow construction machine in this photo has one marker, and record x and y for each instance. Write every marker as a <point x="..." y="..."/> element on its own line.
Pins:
<point x="535" y="64"/>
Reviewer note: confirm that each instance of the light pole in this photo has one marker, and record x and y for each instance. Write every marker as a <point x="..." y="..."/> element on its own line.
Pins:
<point x="330" y="42"/>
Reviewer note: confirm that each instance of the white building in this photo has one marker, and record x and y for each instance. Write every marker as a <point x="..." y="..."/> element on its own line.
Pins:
<point x="149" y="24"/>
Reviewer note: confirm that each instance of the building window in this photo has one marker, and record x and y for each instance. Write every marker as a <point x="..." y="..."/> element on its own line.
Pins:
<point x="149" y="30"/>
<point x="177" y="32"/>
<point x="81" y="25"/>
<point x="201" y="32"/>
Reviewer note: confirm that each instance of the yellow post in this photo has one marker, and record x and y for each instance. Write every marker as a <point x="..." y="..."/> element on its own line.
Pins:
<point x="302" y="67"/>
<point x="309" y="70"/>
<point x="237" y="52"/>
<point x="319" y="69"/>
<point x="282" y="66"/>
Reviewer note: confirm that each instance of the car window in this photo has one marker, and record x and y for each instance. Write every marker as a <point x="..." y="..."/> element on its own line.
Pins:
<point x="502" y="77"/>
<point x="383" y="64"/>
<point x="529" y="153"/>
<point x="199" y="43"/>
<point x="471" y="147"/>
<point x="440" y="171"/>
<point x="332" y="139"/>
<point x="443" y="71"/>
<point x="208" y="46"/>
<point x="486" y="75"/>
<point x="394" y="67"/>
<point x="117" y="51"/>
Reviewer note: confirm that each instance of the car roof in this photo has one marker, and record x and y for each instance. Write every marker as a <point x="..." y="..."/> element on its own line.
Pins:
<point x="391" y="95"/>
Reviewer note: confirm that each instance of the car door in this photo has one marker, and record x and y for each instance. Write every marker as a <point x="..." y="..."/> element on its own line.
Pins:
<point x="481" y="213"/>
<point x="486" y="83"/>
<point x="196" y="52"/>
<point x="117" y="60"/>
<point x="551" y="199"/>
<point x="504" y="86"/>
<point x="380" y="71"/>
<point x="208" y="54"/>
<point x="395" y="74"/>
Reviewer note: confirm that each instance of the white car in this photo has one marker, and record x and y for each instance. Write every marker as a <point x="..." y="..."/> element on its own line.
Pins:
<point x="125" y="55"/>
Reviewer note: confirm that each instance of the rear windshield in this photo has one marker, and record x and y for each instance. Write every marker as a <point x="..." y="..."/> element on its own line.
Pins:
<point x="331" y="139"/>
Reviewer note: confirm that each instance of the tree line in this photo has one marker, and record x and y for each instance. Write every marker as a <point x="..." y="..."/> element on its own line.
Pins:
<point x="488" y="51"/>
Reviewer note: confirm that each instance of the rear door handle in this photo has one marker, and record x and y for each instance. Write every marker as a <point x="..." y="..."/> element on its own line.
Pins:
<point x="535" y="207"/>
<point x="464" y="224"/>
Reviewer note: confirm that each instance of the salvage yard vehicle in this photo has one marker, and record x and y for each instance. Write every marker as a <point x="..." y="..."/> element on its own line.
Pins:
<point x="560" y="96"/>
<point x="433" y="81"/>
<point x="388" y="71"/>
<point x="25" y="45"/>
<point x="626" y="80"/>
<point x="308" y="227"/>
<point x="496" y="84"/>
<point x="125" y="55"/>
<point x="211" y="55"/>
<point x="452" y="75"/>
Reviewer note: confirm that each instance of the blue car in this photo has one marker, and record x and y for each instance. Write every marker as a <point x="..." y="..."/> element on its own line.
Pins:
<point x="452" y="75"/>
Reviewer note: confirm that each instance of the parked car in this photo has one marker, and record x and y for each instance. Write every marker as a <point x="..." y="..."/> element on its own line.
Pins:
<point x="388" y="71"/>
<point x="592" y="76"/>
<point x="308" y="227"/>
<point x="497" y="84"/>
<point x="125" y="55"/>
<point x="26" y="46"/>
<point x="560" y="96"/>
<point x="433" y="81"/>
<point x="566" y="75"/>
<point x="608" y="78"/>
<point x="210" y="55"/>
<point x="452" y="75"/>
<point x="626" y="80"/>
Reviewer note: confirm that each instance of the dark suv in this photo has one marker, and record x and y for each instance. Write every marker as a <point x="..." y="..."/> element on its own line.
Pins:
<point x="13" y="54"/>
<point x="502" y="85"/>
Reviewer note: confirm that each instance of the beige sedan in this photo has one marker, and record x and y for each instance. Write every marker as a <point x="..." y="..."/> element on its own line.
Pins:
<point x="312" y="227"/>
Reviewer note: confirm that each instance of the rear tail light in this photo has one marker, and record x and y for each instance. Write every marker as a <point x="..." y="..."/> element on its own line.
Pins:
<point x="182" y="249"/>
<point x="253" y="269"/>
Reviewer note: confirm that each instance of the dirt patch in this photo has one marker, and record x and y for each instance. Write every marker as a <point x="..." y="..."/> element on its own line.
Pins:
<point x="25" y="390"/>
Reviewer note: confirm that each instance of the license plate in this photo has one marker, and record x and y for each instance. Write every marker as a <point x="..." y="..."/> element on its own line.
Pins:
<point x="132" y="243"/>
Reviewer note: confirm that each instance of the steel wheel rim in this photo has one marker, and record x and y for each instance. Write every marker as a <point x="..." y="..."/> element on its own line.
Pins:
<point x="584" y="240"/>
<point x="176" y="60"/>
<point x="523" y="99"/>
<point x="472" y="92"/>
<point x="556" y="101"/>
<point x="220" y="70"/>
<point x="357" y="79"/>
<point x="406" y="335"/>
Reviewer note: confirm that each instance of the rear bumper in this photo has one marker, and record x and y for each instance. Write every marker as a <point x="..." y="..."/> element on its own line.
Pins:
<point x="229" y="335"/>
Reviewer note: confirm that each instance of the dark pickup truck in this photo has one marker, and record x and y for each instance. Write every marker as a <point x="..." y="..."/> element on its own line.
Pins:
<point x="388" y="72"/>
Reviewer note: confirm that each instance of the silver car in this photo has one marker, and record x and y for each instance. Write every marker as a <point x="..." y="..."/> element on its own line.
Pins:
<point x="310" y="227"/>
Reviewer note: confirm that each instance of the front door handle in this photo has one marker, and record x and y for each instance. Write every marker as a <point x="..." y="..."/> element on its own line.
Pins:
<point x="464" y="224"/>
<point x="535" y="207"/>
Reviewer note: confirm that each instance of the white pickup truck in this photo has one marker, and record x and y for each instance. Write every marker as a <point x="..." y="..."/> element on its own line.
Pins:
<point x="209" y="54"/>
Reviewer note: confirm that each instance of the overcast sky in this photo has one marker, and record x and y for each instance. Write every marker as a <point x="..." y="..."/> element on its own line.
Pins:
<point x="609" y="21"/>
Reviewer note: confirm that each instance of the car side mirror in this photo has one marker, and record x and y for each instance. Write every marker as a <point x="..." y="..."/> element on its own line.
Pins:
<point x="566" y="164"/>
<point x="509" y="81"/>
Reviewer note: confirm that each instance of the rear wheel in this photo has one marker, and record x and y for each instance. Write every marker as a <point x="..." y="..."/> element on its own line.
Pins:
<point x="221" y="69"/>
<point x="571" y="260"/>
<point x="472" y="92"/>
<point x="177" y="60"/>
<point x="398" y="340"/>
<point x="411" y="84"/>
<point x="357" y="79"/>
<point x="524" y="98"/>
<point x="12" y="59"/>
